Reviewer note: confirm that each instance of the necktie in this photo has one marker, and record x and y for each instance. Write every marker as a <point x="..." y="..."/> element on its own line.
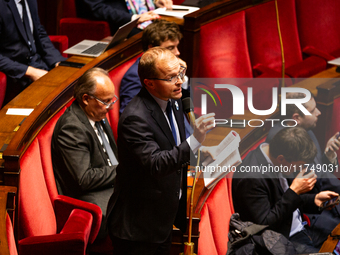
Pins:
<point x="27" y="27"/>
<point x="106" y="144"/>
<point x="169" y="114"/>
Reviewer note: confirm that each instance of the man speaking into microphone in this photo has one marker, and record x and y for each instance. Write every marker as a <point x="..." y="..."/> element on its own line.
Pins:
<point x="150" y="192"/>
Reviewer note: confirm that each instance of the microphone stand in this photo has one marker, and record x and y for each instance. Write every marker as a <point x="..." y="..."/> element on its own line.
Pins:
<point x="189" y="246"/>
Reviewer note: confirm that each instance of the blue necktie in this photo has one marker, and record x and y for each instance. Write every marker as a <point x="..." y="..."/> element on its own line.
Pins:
<point x="169" y="114"/>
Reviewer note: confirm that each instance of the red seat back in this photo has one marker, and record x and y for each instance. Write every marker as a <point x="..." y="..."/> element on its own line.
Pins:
<point x="3" y="84"/>
<point x="116" y="76"/>
<point x="224" y="48"/>
<point x="69" y="9"/>
<point x="217" y="209"/>
<point x="44" y="140"/>
<point x="318" y="24"/>
<point x="36" y="214"/>
<point x="10" y="237"/>
<point x="263" y="39"/>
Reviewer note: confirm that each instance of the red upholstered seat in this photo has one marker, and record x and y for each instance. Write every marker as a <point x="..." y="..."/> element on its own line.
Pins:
<point x="215" y="216"/>
<point x="224" y="48"/>
<point x="3" y="85"/>
<point x="116" y="76"/>
<point x="264" y="45"/>
<point x="60" y="42"/>
<point x="10" y="237"/>
<point x="51" y="223"/>
<point x="318" y="24"/>
<point x="206" y="242"/>
<point x="77" y="29"/>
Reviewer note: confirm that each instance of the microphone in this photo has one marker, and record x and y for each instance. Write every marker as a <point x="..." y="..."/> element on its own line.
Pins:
<point x="188" y="108"/>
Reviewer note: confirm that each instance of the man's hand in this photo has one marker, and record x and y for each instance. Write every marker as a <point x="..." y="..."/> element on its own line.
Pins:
<point x="303" y="183"/>
<point x="324" y="196"/>
<point x="35" y="73"/>
<point x="207" y="151"/>
<point x="163" y="3"/>
<point x="150" y="15"/>
<point x="332" y="147"/>
<point x="202" y="125"/>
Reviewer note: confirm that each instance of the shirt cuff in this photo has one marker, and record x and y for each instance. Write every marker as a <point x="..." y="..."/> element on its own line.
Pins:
<point x="193" y="143"/>
<point x="134" y="16"/>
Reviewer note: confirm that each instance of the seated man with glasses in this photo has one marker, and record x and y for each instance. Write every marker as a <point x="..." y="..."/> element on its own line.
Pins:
<point x="84" y="153"/>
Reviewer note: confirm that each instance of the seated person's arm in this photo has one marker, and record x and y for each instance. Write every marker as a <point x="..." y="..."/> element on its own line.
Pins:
<point x="101" y="11"/>
<point x="252" y="201"/>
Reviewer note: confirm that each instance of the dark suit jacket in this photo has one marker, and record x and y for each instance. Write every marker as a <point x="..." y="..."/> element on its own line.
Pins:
<point x="79" y="162"/>
<point x="145" y="203"/>
<point x="114" y="12"/>
<point x="259" y="198"/>
<point x="14" y="50"/>
<point x="129" y="86"/>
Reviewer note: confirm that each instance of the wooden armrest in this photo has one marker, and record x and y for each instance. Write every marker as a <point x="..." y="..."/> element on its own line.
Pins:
<point x="5" y="204"/>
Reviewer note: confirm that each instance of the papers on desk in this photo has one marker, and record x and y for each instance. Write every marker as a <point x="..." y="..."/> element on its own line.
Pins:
<point x="178" y="11"/>
<point x="19" y="111"/>
<point x="228" y="157"/>
<point x="335" y="61"/>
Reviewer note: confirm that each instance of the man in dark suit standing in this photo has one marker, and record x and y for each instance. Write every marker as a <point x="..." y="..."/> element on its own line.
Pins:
<point x="26" y="52"/>
<point x="264" y="192"/>
<point x="84" y="152"/>
<point x="150" y="191"/>
<point x="161" y="33"/>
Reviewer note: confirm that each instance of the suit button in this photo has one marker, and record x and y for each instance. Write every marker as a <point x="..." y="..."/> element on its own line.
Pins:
<point x="178" y="171"/>
<point x="177" y="194"/>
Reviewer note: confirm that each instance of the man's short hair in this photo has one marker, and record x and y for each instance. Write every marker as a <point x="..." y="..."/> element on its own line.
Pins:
<point x="294" y="144"/>
<point x="147" y="65"/>
<point x="292" y="108"/>
<point x="159" y="31"/>
<point x="87" y="83"/>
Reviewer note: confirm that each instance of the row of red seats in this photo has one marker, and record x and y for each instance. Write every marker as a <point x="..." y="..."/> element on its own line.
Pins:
<point x="246" y="44"/>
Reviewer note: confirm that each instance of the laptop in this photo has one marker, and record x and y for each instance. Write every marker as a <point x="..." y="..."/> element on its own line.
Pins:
<point x="92" y="48"/>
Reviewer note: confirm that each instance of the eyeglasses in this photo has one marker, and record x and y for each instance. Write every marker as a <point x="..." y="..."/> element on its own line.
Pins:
<point x="173" y="79"/>
<point x="108" y="105"/>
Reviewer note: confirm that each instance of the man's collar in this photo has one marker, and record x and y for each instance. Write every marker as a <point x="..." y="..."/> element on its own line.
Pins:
<point x="160" y="102"/>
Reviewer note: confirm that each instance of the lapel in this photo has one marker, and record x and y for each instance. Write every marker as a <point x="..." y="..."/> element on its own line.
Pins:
<point x="17" y="19"/>
<point x="83" y="118"/>
<point x="263" y="161"/>
<point x="157" y="114"/>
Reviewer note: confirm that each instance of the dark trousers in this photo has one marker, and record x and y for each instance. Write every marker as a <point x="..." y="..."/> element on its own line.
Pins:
<point x="303" y="243"/>
<point x="127" y="247"/>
